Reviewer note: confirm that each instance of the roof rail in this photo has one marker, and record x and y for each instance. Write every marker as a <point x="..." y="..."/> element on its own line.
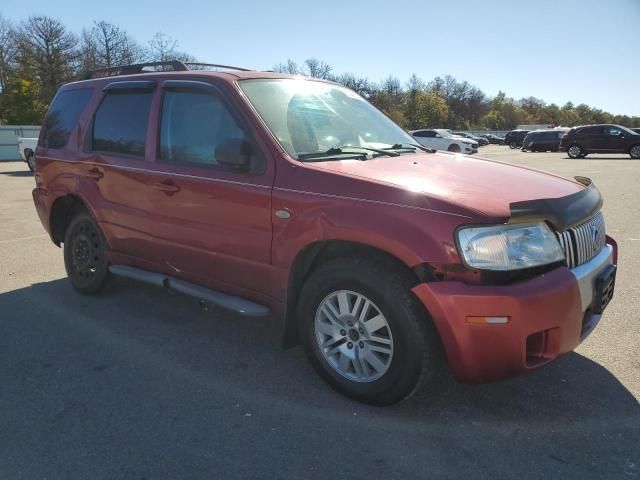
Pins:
<point x="175" y="65"/>
<point x="199" y="64"/>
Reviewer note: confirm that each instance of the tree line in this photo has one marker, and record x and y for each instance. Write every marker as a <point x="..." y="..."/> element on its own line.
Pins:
<point x="449" y="103"/>
<point x="40" y="54"/>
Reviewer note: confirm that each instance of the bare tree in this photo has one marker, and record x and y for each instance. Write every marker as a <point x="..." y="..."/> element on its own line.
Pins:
<point x="48" y="52"/>
<point x="107" y="45"/>
<point x="290" y="67"/>
<point x="311" y="67"/>
<point x="361" y="85"/>
<point x="317" y="68"/>
<point x="163" y="48"/>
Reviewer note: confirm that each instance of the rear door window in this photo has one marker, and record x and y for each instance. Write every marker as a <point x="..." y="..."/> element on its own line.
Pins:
<point x="63" y="116"/>
<point x="120" y="123"/>
<point x="591" y="131"/>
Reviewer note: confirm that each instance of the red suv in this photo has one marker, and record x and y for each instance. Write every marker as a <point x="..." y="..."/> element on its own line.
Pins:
<point x="295" y="199"/>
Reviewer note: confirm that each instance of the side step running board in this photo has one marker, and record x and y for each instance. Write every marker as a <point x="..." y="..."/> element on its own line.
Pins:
<point x="235" y="304"/>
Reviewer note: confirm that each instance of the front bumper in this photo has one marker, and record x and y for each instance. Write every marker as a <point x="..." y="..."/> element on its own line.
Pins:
<point x="547" y="316"/>
<point x="469" y="150"/>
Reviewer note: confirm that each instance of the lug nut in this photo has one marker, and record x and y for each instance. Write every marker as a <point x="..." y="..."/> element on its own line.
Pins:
<point x="361" y="344"/>
<point x="343" y="332"/>
<point x="349" y="345"/>
<point x="350" y="323"/>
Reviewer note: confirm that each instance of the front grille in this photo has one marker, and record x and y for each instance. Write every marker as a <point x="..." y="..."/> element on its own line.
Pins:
<point x="474" y="145"/>
<point x="582" y="243"/>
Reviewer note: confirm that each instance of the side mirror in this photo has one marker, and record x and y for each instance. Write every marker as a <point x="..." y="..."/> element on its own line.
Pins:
<point x="235" y="153"/>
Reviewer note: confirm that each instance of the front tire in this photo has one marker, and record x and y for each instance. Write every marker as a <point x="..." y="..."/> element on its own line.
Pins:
<point x="454" y="148"/>
<point x="634" y="152"/>
<point x="575" y="151"/>
<point x="84" y="254"/>
<point x="365" y="333"/>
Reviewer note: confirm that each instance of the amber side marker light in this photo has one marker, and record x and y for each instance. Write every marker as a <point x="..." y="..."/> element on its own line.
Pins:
<point x="486" y="320"/>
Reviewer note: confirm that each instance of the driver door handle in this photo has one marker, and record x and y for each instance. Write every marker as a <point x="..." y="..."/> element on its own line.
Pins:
<point x="167" y="186"/>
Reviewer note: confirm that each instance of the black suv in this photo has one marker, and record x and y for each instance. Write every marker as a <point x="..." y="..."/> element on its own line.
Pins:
<point x="543" y="140"/>
<point x="514" y="138"/>
<point x="580" y="141"/>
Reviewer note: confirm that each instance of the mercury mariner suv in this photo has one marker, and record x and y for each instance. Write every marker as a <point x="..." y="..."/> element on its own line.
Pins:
<point x="295" y="200"/>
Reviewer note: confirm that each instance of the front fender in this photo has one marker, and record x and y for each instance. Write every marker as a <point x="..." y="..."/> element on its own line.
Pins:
<point x="411" y="234"/>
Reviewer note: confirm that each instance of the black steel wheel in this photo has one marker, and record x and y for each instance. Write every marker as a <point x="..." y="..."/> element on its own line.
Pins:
<point x="84" y="254"/>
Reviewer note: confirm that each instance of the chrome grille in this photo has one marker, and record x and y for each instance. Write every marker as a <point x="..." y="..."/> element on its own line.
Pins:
<point x="582" y="243"/>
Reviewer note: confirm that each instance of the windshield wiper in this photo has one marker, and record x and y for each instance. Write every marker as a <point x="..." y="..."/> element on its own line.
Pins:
<point x="410" y="146"/>
<point x="345" y="150"/>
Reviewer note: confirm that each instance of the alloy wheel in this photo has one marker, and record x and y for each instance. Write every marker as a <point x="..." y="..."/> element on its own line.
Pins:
<point x="354" y="336"/>
<point x="574" y="151"/>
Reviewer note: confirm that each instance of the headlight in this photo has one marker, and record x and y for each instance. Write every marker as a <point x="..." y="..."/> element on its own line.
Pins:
<point x="509" y="247"/>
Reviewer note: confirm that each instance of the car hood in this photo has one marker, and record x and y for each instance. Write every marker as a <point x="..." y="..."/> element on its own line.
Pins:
<point x="472" y="183"/>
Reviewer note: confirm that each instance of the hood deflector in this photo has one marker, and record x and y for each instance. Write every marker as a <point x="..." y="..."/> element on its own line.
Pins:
<point x="563" y="212"/>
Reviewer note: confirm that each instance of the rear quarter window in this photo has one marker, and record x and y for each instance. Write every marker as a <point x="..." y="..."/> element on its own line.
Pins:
<point x="63" y="116"/>
<point x="120" y="123"/>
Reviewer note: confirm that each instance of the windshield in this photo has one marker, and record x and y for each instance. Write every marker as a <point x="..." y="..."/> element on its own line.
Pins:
<point x="628" y="130"/>
<point x="307" y="116"/>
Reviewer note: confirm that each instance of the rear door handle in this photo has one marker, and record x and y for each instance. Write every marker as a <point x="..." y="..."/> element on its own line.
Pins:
<point x="95" y="173"/>
<point x="167" y="186"/>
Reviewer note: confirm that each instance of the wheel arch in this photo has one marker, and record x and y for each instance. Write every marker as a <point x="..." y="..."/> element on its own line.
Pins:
<point x="317" y="253"/>
<point x="62" y="211"/>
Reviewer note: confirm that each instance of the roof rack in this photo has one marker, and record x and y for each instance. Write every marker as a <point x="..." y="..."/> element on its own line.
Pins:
<point x="215" y="65"/>
<point x="175" y="66"/>
<point x="133" y="69"/>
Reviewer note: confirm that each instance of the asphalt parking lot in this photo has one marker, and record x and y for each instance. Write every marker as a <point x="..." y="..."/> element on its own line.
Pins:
<point x="139" y="384"/>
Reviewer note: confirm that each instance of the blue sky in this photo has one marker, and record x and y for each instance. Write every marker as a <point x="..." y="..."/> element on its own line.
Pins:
<point x="564" y="50"/>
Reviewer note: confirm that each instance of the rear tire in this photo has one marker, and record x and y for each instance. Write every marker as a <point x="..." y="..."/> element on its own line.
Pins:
<point x="84" y="254"/>
<point x="394" y="328"/>
<point x="31" y="162"/>
<point x="634" y="151"/>
<point x="575" y="151"/>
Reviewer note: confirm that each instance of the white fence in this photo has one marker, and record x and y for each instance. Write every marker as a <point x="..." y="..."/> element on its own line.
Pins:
<point x="9" y="139"/>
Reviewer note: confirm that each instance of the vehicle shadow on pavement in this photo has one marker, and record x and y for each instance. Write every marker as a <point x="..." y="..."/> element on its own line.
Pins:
<point x="573" y="386"/>
<point x="137" y="355"/>
<point x="18" y="173"/>
<point x="627" y="158"/>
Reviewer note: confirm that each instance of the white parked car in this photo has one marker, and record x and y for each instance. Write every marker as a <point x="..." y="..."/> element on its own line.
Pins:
<point x="441" y="139"/>
<point x="27" y="149"/>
